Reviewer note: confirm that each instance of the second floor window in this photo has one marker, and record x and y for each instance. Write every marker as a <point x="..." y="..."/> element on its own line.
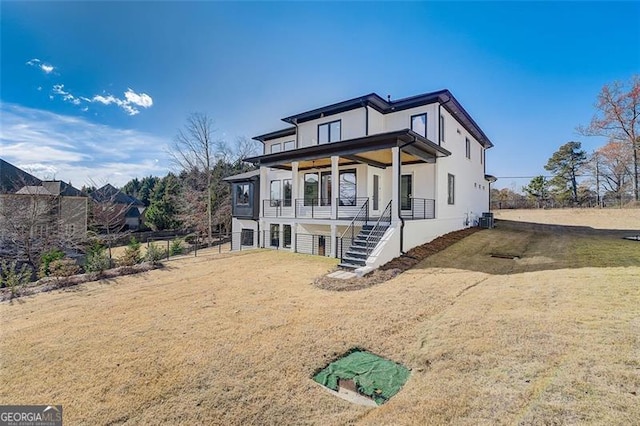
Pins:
<point x="275" y="193"/>
<point x="451" y="189"/>
<point x="242" y="194"/>
<point x="289" y="145"/>
<point x="419" y="124"/>
<point x="442" y="128"/>
<point x="275" y="148"/>
<point x="330" y="132"/>
<point x="467" y="144"/>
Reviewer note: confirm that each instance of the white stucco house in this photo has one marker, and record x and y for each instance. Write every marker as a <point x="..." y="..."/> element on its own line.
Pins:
<point x="365" y="180"/>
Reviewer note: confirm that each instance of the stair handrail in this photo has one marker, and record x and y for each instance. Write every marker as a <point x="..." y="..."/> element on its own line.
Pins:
<point x="377" y="227"/>
<point x="358" y="219"/>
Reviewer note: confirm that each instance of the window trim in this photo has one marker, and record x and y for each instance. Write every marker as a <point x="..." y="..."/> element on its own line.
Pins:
<point x="328" y="124"/>
<point x="275" y="202"/>
<point x="451" y="189"/>
<point x="273" y="146"/>
<point x="284" y="145"/>
<point x="238" y="186"/>
<point x="425" y="123"/>
<point x="286" y="202"/>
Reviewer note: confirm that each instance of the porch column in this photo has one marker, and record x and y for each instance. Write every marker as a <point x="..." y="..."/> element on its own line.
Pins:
<point x="334" y="235"/>
<point x="335" y="188"/>
<point x="395" y="184"/>
<point x="264" y="189"/>
<point x="295" y="180"/>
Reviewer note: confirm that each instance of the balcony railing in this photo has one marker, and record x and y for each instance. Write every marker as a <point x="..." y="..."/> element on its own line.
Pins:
<point x="418" y="208"/>
<point x="277" y="208"/>
<point x="323" y="208"/>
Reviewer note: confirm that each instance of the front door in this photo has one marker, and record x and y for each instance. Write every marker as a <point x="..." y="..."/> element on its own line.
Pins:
<point x="406" y="188"/>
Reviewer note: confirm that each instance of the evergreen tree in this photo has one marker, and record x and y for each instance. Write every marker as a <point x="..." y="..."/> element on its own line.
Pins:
<point x="565" y="164"/>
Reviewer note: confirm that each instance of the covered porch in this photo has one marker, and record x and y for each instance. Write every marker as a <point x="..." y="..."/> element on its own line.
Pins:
<point x="342" y="180"/>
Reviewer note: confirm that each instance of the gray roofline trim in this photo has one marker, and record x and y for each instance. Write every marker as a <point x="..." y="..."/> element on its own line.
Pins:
<point x="289" y="131"/>
<point x="444" y="97"/>
<point x="251" y="175"/>
<point x="352" y="147"/>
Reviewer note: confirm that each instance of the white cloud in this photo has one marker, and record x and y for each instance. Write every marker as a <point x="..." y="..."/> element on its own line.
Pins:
<point x="131" y="98"/>
<point x="141" y="99"/>
<point x="76" y="150"/>
<point x="47" y="68"/>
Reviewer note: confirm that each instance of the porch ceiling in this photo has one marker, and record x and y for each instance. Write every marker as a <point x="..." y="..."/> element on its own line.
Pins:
<point x="373" y="150"/>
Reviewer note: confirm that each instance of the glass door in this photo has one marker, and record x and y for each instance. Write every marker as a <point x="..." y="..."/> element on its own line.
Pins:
<point x="406" y="188"/>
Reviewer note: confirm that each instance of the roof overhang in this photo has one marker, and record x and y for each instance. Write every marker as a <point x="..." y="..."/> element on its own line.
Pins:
<point x="289" y="131"/>
<point x="374" y="150"/>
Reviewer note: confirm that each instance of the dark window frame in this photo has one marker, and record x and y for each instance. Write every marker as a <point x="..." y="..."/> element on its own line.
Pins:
<point x="467" y="143"/>
<point x="441" y="128"/>
<point x="342" y="201"/>
<point x="275" y="202"/>
<point x="451" y="189"/>
<point x="328" y="124"/>
<point x="426" y="126"/>
<point x="238" y="192"/>
<point x="286" y="201"/>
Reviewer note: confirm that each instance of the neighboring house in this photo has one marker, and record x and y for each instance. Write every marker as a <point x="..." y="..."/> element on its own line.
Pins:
<point x="31" y="208"/>
<point x="118" y="210"/>
<point x="365" y="180"/>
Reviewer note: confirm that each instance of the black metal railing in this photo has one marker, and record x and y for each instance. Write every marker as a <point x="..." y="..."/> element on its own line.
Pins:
<point x="349" y="208"/>
<point x="277" y="208"/>
<point x="361" y="218"/>
<point x="313" y="208"/>
<point x="418" y="208"/>
<point x="378" y="230"/>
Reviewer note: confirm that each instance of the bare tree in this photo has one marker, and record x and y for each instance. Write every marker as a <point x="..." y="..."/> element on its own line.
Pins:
<point x="108" y="214"/>
<point x="617" y="112"/>
<point x="194" y="150"/>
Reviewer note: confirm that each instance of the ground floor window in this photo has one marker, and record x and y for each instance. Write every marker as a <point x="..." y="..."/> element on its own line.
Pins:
<point x="246" y="237"/>
<point x="286" y="231"/>
<point x="348" y="190"/>
<point x="286" y="189"/>
<point x="274" y="235"/>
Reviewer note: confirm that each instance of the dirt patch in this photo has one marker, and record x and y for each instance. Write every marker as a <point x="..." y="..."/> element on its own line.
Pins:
<point x="395" y="266"/>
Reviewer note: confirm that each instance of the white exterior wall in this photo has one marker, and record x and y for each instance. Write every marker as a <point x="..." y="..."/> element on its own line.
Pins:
<point x="376" y="122"/>
<point x="352" y="126"/>
<point x="281" y="141"/>
<point x="402" y="120"/>
<point x="471" y="189"/>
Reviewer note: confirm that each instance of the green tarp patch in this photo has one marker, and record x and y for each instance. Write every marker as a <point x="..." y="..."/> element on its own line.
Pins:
<point x="373" y="376"/>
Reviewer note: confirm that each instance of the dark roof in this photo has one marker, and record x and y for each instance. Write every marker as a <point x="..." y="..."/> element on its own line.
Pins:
<point x="400" y="138"/>
<point x="58" y="187"/>
<point x="444" y="97"/>
<point x="243" y="176"/>
<point x="108" y="193"/>
<point x="289" y="131"/>
<point x="13" y="178"/>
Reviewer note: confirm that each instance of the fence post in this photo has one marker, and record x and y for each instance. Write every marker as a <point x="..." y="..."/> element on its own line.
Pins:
<point x="195" y="252"/>
<point x="167" y="249"/>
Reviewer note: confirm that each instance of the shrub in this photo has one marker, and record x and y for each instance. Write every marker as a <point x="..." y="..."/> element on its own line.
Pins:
<point x="176" y="247"/>
<point x="46" y="259"/>
<point x="97" y="259"/>
<point x="131" y="255"/>
<point x="155" y="254"/>
<point x="63" y="268"/>
<point x="14" y="278"/>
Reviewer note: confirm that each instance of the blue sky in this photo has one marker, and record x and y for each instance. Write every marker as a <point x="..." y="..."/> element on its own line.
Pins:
<point x="97" y="91"/>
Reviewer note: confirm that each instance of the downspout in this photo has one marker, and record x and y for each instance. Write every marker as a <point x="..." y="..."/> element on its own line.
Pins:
<point x="295" y="123"/>
<point x="400" y="202"/>
<point x="366" y="118"/>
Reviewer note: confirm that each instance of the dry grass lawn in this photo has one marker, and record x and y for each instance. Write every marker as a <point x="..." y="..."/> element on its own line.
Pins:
<point x="550" y="338"/>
